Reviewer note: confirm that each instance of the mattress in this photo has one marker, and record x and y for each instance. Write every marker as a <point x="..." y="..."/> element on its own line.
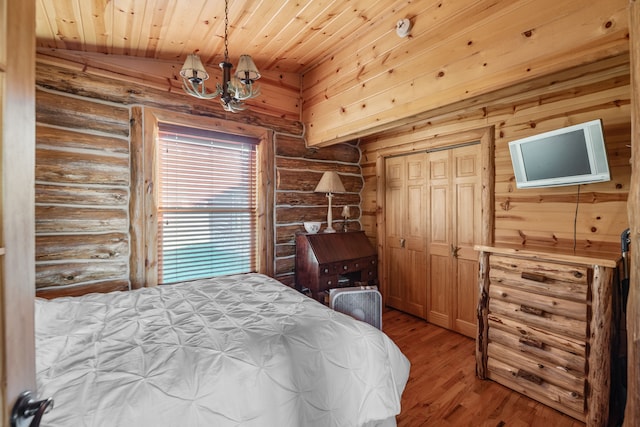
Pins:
<point x="242" y="350"/>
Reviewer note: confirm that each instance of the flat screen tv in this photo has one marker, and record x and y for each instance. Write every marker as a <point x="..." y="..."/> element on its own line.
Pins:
<point x="571" y="155"/>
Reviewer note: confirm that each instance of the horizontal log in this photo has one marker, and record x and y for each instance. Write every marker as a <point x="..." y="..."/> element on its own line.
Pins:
<point x="286" y="279"/>
<point x="303" y="165"/>
<point x="81" y="168"/>
<point x="82" y="247"/>
<point x="77" y="290"/>
<point x="295" y="180"/>
<point x="285" y="250"/>
<point x="287" y="146"/>
<point x="285" y="265"/>
<point x="70" y="139"/>
<point x="48" y="275"/>
<point x="286" y="234"/>
<point x="58" y="219"/>
<point x="58" y="194"/>
<point x="127" y="93"/>
<point x="288" y="215"/>
<point x="64" y="111"/>
<point x="293" y="198"/>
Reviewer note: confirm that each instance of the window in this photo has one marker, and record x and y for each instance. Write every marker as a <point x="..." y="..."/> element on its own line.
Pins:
<point x="207" y="204"/>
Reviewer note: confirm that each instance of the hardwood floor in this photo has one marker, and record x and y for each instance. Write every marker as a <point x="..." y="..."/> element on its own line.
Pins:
<point x="443" y="390"/>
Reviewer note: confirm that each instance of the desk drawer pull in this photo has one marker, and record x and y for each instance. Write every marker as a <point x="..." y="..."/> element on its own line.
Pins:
<point x="532" y="310"/>
<point x="529" y="376"/>
<point x="536" y="277"/>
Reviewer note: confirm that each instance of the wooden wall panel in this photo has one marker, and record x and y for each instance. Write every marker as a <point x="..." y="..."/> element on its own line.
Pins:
<point x="632" y="410"/>
<point x="457" y="50"/>
<point x="538" y="217"/>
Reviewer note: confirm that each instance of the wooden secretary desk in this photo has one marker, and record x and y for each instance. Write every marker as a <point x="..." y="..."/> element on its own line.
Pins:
<point x="332" y="260"/>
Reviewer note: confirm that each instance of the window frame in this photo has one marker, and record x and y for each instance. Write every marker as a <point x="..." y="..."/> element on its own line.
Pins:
<point x="144" y="215"/>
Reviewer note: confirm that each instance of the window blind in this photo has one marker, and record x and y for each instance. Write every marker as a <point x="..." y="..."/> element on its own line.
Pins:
<point x="206" y="203"/>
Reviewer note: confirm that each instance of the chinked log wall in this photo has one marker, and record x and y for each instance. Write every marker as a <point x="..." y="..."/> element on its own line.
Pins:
<point x="298" y="170"/>
<point x="84" y="140"/>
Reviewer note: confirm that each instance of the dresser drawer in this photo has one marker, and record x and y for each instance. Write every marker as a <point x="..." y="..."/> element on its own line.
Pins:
<point x="529" y="384"/>
<point x="564" y="354"/>
<point x="540" y="305"/>
<point x="540" y="370"/>
<point x="541" y="277"/>
<point x="554" y="323"/>
<point x="576" y="346"/>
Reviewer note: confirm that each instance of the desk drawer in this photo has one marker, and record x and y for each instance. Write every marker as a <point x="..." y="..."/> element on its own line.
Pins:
<point x="348" y="266"/>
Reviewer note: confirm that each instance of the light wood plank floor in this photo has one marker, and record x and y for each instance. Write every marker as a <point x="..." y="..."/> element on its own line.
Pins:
<point x="443" y="389"/>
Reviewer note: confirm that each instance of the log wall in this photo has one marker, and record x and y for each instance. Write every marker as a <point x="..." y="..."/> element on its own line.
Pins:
<point x="82" y="192"/>
<point x="88" y="136"/>
<point x="537" y="217"/>
<point x="298" y="170"/>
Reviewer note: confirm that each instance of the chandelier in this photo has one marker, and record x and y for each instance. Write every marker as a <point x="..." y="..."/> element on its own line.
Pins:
<point x="234" y="90"/>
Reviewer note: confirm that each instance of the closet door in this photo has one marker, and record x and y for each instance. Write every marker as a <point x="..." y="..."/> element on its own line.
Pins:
<point x="467" y="199"/>
<point x="454" y="228"/>
<point x="440" y="239"/>
<point x="405" y="252"/>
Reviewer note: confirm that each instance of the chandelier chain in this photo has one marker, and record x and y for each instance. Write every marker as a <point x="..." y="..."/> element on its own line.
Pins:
<point x="226" y="31"/>
<point x="233" y="90"/>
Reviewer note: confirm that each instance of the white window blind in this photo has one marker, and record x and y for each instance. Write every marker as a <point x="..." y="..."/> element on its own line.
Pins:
<point x="206" y="203"/>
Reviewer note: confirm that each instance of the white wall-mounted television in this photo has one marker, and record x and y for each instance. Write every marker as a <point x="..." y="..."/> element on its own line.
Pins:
<point x="571" y="155"/>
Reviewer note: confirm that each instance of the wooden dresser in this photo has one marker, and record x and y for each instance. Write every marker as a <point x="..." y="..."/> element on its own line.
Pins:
<point x="544" y="328"/>
<point x="331" y="260"/>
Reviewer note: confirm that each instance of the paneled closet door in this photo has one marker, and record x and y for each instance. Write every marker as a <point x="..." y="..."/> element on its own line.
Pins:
<point x="440" y="241"/>
<point x="453" y="229"/>
<point x="405" y="214"/>
<point x="467" y="190"/>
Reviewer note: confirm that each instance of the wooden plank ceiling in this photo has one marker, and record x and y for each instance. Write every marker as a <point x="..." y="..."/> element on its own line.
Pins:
<point x="281" y="35"/>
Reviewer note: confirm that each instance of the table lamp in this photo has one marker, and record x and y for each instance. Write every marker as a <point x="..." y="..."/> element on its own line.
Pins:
<point x="330" y="183"/>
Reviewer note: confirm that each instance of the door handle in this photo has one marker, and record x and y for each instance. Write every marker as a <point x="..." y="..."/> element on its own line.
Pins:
<point x="402" y="242"/>
<point x="454" y="251"/>
<point x="26" y="407"/>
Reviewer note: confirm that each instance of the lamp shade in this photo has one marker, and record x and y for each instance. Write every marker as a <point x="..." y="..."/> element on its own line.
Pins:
<point x="330" y="183"/>
<point x="193" y="68"/>
<point x="247" y="70"/>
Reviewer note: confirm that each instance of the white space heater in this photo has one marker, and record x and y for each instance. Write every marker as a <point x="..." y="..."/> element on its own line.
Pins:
<point x="362" y="303"/>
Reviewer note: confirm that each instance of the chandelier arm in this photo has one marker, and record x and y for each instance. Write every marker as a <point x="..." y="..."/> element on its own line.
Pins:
<point x="197" y="90"/>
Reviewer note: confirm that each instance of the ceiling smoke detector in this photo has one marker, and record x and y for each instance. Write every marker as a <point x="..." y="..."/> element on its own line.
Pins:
<point x="403" y="27"/>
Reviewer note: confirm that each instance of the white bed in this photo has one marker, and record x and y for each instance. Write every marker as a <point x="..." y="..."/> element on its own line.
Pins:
<point x="239" y="350"/>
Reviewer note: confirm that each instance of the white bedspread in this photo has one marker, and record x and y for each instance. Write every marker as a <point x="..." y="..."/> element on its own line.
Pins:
<point x="237" y="350"/>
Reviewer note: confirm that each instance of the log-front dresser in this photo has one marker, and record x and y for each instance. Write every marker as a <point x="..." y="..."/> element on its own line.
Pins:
<point x="544" y="328"/>
<point x="331" y="260"/>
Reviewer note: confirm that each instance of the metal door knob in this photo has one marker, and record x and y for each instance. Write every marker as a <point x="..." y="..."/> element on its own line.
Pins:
<point x="26" y="407"/>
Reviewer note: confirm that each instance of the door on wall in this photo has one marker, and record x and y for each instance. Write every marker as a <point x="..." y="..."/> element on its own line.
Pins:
<point x="405" y="253"/>
<point x="432" y="222"/>
<point x="454" y="206"/>
<point x="17" y="154"/>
